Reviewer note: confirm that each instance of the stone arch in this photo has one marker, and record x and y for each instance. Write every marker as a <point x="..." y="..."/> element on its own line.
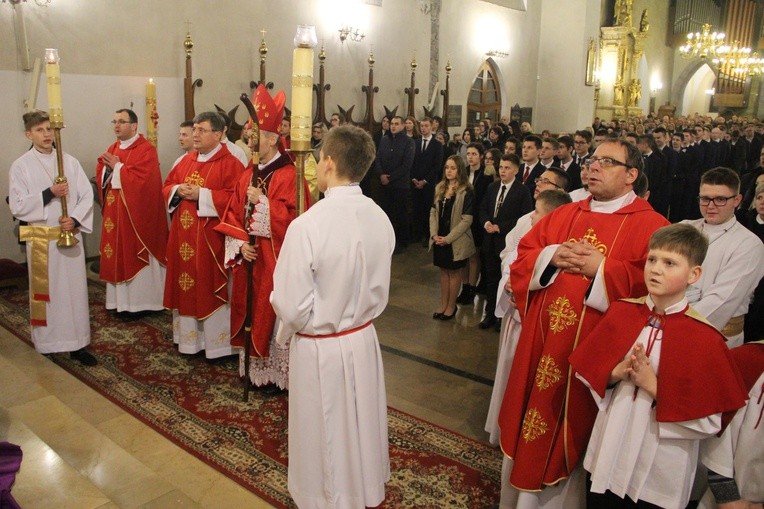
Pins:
<point x="680" y="85"/>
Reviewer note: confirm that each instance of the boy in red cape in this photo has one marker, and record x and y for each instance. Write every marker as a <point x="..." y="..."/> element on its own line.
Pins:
<point x="663" y="379"/>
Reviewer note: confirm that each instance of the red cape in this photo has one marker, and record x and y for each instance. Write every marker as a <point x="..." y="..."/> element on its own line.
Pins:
<point x="134" y="217"/>
<point x="196" y="283"/>
<point x="547" y="415"/>
<point x="697" y="375"/>
<point x="749" y="359"/>
<point x="278" y="180"/>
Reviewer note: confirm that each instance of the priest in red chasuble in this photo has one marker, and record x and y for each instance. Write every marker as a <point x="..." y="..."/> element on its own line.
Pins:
<point x="196" y="288"/>
<point x="275" y="203"/>
<point x="134" y="227"/>
<point x="570" y="267"/>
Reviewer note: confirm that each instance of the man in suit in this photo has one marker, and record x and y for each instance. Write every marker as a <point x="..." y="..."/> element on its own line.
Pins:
<point x="754" y="145"/>
<point x="548" y="152"/>
<point x="505" y="201"/>
<point x="428" y="157"/>
<point x="393" y="165"/>
<point x="532" y="166"/>
<point x="582" y="142"/>
<point x="567" y="162"/>
<point x="656" y="170"/>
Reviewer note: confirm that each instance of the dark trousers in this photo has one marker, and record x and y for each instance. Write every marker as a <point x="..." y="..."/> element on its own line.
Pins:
<point x="393" y="202"/>
<point x="492" y="264"/>
<point x="421" y="201"/>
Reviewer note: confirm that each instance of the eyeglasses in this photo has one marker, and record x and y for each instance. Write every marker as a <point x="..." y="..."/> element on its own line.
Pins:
<point x="201" y="130"/>
<point x="121" y="122"/>
<point x="719" y="201"/>
<point x="604" y="162"/>
<point x="539" y="180"/>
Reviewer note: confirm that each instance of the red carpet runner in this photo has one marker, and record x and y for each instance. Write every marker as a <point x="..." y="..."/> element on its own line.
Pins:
<point x="198" y="406"/>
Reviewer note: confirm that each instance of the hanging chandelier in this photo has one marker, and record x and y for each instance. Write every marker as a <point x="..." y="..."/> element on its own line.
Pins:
<point x="703" y="44"/>
<point x="737" y="60"/>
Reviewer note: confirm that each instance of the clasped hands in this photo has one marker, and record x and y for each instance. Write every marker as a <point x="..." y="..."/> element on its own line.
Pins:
<point x="110" y="159"/>
<point x="188" y="192"/>
<point x="577" y="258"/>
<point x="439" y="240"/>
<point x="637" y="368"/>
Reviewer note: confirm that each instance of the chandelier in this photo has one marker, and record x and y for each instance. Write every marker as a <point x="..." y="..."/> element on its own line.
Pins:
<point x="702" y="44"/>
<point x="737" y="60"/>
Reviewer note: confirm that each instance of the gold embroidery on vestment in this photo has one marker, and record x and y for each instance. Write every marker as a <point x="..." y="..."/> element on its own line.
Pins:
<point x="108" y="225"/>
<point x="186" y="251"/>
<point x="195" y="179"/>
<point x="591" y="238"/>
<point x="107" y="250"/>
<point x="185" y="281"/>
<point x="547" y="373"/>
<point x="533" y="425"/>
<point x="186" y="220"/>
<point x="561" y="315"/>
<point x="110" y="198"/>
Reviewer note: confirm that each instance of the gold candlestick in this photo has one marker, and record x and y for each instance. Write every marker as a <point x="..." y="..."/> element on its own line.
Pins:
<point x="56" y="114"/>
<point x="152" y="118"/>
<point x="302" y="103"/>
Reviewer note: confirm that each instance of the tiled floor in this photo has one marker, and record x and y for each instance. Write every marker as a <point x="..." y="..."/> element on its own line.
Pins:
<point x="81" y="451"/>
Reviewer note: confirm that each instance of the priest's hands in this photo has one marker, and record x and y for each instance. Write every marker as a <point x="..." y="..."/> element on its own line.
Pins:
<point x="60" y="190"/>
<point x="248" y="252"/>
<point x="109" y="159"/>
<point x="577" y="258"/>
<point x="253" y="194"/>
<point x="188" y="192"/>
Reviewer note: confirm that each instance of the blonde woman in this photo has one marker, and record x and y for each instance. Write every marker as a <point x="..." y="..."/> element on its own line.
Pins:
<point x="411" y="127"/>
<point x="450" y="234"/>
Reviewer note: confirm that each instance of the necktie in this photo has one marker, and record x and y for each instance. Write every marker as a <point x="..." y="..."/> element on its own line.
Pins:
<point x="424" y="145"/>
<point x="500" y="200"/>
<point x="526" y="173"/>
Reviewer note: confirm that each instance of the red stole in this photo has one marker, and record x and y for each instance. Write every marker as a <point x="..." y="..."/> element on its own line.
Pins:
<point x="278" y="180"/>
<point x="134" y="217"/>
<point x="196" y="278"/>
<point x="697" y="376"/>
<point x="547" y="415"/>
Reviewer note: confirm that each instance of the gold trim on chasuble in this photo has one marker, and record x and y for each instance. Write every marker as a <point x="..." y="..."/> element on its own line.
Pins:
<point x="186" y="251"/>
<point x="547" y="373"/>
<point x="108" y="225"/>
<point x="185" y="281"/>
<point x="110" y="197"/>
<point x="590" y="237"/>
<point x="108" y="250"/>
<point x="195" y="178"/>
<point x="534" y="425"/>
<point x="186" y="219"/>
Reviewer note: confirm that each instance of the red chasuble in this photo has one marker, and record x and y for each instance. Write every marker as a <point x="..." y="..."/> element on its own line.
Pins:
<point x="698" y="376"/>
<point x="196" y="278"/>
<point x="547" y="415"/>
<point x="749" y="359"/>
<point x="278" y="183"/>
<point x="134" y="217"/>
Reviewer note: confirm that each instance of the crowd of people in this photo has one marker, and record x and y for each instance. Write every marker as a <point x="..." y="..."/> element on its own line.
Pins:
<point x="568" y="237"/>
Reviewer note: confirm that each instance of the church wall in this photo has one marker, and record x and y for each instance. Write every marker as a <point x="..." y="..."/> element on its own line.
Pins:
<point x="660" y="56"/>
<point x="110" y="49"/>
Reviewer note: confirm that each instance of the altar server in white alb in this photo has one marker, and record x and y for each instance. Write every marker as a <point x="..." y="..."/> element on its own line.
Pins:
<point x="733" y="266"/>
<point x="331" y="280"/>
<point x="58" y="286"/>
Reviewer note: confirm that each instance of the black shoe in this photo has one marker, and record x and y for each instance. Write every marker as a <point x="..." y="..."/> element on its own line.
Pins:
<point x="488" y="322"/>
<point x="466" y="296"/>
<point x="83" y="357"/>
<point x="480" y="288"/>
<point x="497" y="326"/>
<point x="269" y="390"/>
<point x="436" y="316"/>
<point x="444" y="317"/>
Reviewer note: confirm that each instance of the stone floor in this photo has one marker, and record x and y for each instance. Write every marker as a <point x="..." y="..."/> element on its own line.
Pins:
<point x="81" y="451"/>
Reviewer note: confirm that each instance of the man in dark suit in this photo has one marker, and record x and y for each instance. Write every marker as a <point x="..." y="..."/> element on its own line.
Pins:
<point x="656" y="170"/>
<point x="567" y="162"/>
<point x="754" y="145"/>
<point x="532" y="166"/>
<point x="393" y="165"/>
<point x="428" y="157"/>
<point x="582" y="142"/>
<point x="505" y="201"/>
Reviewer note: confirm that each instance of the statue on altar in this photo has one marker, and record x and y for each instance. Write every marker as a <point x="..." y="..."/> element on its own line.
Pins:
<point x="644" y="25"/>
<point x="622" y="13"/>
<point x="618" y="93"/>
<point x="635" y="92"/>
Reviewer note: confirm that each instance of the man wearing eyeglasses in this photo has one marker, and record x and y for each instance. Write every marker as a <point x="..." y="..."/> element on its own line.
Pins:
<point x="134" y="227"/>
<point x="733" y="264"/>
<point x="196" y="193"/>
<point x="570" y="266"/>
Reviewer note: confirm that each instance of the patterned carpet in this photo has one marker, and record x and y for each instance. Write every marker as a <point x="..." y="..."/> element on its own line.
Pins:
<point x="198" y="405"/>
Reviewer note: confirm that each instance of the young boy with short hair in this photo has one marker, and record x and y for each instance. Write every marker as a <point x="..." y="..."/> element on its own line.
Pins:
<point x="331" y="280"/>
<point x="663" y="379"/>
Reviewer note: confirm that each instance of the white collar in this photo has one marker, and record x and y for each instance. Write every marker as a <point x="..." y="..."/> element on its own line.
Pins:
<point x="203" y="158"/>
<point x="125" y="144"/>
<point x="608" y="207"/>
<point x="263" y="165"/>
<point x="672" y="309"/>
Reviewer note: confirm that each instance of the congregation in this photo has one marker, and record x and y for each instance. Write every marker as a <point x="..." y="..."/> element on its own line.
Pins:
<point x="552" y="230"/>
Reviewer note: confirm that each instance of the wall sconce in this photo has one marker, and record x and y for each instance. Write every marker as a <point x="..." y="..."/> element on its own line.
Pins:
<point x="497" y="53"/>
<point x="655" y="88"/>
<point x="354" y="34"/>
<point x="710" y="91"/>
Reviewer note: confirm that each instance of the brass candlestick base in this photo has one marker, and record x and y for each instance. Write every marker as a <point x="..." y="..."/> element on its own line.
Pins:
<point x="65" y="239"/>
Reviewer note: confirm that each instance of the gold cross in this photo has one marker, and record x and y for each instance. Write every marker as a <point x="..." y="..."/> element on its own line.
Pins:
<point x="533" y="425"/>
<point x="186" y="251"/>
<point x="185" y="281"/>
<point x="195" y="179"/>
<point x="547" y="373"/>
<point x="591" y="238"/>
<point x="107" y="250"/>
<point x="108" y="225"/>
<point x="186" y="220"/>
<point x="561" y="315"/>
<point x="110" y="198"/>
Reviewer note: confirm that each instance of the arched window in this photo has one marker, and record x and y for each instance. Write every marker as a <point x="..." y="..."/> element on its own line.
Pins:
<point x="485" y="96"/>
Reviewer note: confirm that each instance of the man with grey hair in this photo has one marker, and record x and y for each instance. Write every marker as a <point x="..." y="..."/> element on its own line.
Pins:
<point x="196" y="193"/>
